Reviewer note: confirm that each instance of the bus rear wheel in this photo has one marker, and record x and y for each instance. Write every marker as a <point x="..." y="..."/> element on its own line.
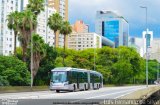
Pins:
<point x="85" y="88"/>
<point x="74" y="88"/>
<point x="57" y="91"/>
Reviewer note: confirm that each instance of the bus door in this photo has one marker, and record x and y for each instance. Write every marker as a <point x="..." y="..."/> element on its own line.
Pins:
<point x="77" y="80"/>
<point x="92" y="80"/>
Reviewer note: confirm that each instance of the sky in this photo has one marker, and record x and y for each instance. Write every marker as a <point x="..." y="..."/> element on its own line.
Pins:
<point x="130" y="9"/>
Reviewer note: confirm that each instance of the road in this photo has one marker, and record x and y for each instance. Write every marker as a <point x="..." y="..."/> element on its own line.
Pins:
<point x="48" y="97"/>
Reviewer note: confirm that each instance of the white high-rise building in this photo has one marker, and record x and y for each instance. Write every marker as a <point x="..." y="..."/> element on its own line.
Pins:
<point x="81" y="41"/>
<point x="141" y="43"/>
<point x="138" y="44"/>
<point x="42" y="29"/>
<point x="155" y="49"/>
<point x="6" y="35"/>
<point x="149" y="36"/>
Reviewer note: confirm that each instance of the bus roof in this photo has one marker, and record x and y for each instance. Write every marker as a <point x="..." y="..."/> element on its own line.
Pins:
<point x="73" y="69"/>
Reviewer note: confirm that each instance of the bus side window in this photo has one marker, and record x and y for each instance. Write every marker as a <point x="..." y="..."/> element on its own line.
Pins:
<point x="69" y="77"/>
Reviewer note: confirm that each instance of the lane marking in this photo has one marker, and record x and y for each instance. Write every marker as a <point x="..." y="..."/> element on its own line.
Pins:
<point x="107" y="94"/>
<point x="128" y="93"/>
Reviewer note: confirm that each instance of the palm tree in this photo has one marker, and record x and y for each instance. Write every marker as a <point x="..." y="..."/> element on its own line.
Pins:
<point x="36" y="6"/>
<point x="13" y="21"/>
<point x="54" y="22"/>
<point x="39" y="52"/>
<point x="65" y="30"/>
<point x="27" y="24"/>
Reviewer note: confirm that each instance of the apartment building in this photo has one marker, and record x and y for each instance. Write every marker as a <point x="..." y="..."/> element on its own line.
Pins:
<point x="6" y="35"/>
<point x="81" y="41"/>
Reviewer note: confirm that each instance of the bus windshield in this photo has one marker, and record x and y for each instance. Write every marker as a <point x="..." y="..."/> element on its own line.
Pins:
<point x="59" y="76"/>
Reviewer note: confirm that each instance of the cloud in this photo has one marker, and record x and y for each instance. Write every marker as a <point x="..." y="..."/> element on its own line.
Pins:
<point x="129" y="9"/>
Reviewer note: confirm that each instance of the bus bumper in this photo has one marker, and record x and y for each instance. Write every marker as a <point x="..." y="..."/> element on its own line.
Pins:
<point x="60" y="87"/>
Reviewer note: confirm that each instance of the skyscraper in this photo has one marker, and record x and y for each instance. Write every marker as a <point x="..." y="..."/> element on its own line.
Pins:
<point x="61" y="6"/>
<point x="113" y="27"/>
<point x="147" y="37"/>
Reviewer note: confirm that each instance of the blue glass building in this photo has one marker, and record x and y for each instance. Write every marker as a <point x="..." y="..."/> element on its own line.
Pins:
<point x="113" y="27"/>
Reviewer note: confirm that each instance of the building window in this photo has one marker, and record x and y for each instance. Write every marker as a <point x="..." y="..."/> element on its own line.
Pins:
<point x="10" y="52"/>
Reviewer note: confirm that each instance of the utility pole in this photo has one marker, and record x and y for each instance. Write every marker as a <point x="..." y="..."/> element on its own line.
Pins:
<point x="46" y="4"/>
<point x="146" y="46"/>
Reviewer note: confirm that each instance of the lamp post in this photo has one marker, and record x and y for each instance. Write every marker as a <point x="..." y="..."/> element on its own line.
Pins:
<point x="31" y="65"/>
<point x="94" y="56"/>
<point x="46" y="4"/>
<point x="146" y="46"/>
<point x="157" y="62"/>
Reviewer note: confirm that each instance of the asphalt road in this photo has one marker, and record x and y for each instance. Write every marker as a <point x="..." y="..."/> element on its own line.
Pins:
<point x="51" y="97"/>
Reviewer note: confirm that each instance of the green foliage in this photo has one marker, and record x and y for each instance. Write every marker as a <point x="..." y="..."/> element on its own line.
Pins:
<point x="12" y="23"/>
<point x="122" y="65"/>
<point x="13" y="72"/>
<point x="46" y="65"/>
<point x="55" y="22"/>
<point x="36" y="6"/>
<point x="119" y="66"/>
<point x="152" y="67"/>
<point x="65" y="28"/>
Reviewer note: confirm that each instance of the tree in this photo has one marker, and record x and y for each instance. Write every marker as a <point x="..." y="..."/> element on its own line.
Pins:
<point x="26" y="26"/>
<point x="46" y="65"/>
<point x="65" y="30"/>
<point x="152" y="71"/>
<point x="39" y="52"/>
<point x="36" y="6"/>
<point x="55" y="22"/>
<point x="13" y="72"/>
<point x="13" y="21"/>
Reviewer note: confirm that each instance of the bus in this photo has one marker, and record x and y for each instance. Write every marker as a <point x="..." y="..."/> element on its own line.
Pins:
<point x="74" y="79"/>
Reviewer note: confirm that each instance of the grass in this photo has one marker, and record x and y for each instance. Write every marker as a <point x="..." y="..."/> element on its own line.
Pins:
<point x="12" y="89"/>
<point x="113" y="85"/>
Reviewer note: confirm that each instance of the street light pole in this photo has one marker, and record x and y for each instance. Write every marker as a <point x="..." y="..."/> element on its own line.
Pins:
<point x="146" y="46"/>
<point x="94" y="57"/>
<point x="31" y="61"/>
<point x="157" y="63"/>
<point x="46" y="4"/>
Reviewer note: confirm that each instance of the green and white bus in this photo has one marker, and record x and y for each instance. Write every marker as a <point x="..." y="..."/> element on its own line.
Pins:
<point x="73" y="79"/>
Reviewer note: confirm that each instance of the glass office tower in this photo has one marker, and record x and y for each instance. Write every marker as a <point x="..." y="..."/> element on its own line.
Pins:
<point x="113" y="27"/>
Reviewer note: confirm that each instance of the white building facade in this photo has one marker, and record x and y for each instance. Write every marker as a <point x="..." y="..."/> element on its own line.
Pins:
<point x="147" y="41"/>
<point x="42" y="29"/>
<point x="137" y="43"/>
<point x="81" y="41"/>
<point x="6" y="35"/>
<point x="155" y="49"/>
